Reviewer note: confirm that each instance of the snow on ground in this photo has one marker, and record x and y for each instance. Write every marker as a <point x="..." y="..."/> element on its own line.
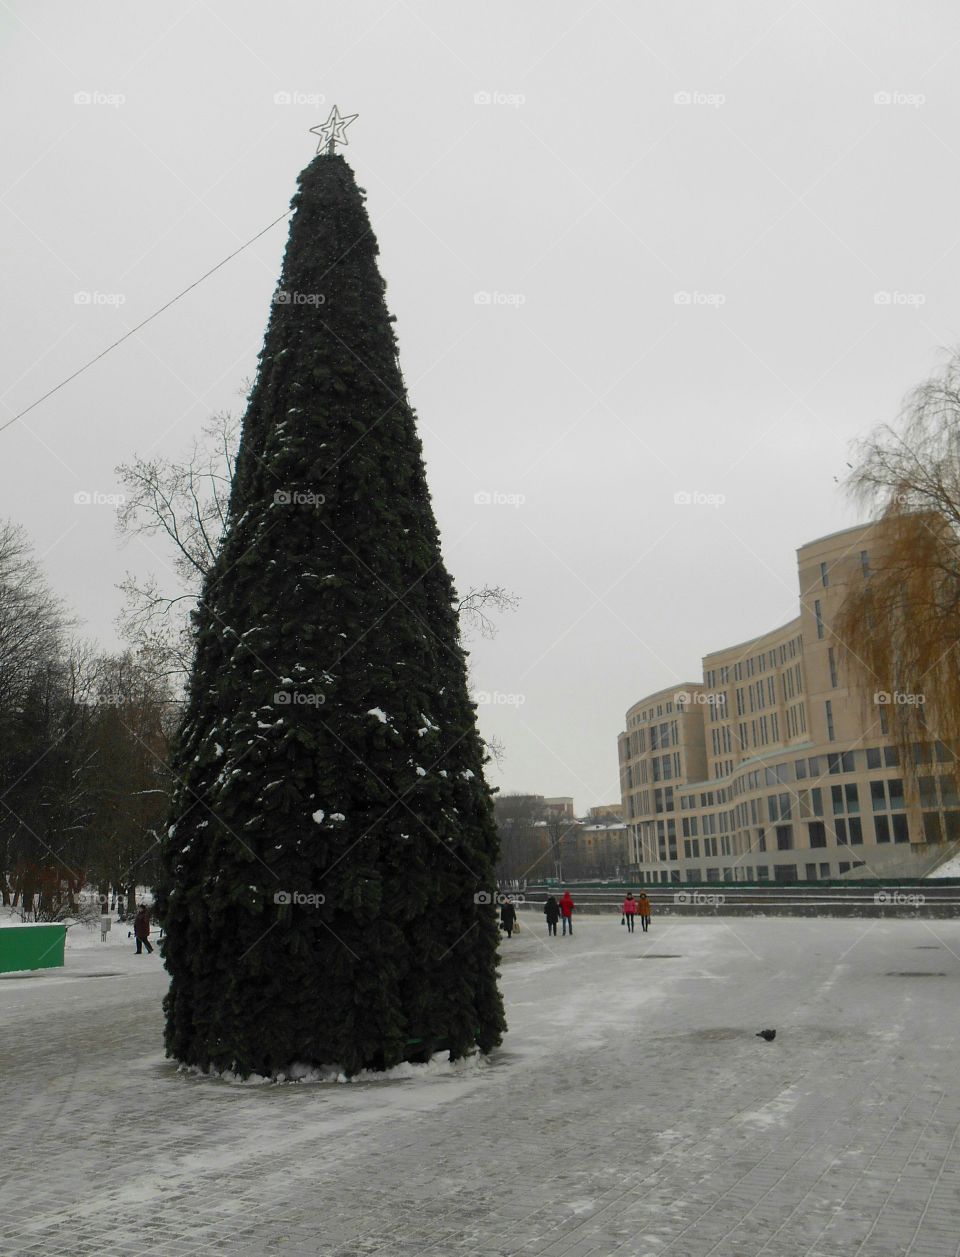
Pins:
<point x="951" y="868"/>
<point x="630" y="1112"/>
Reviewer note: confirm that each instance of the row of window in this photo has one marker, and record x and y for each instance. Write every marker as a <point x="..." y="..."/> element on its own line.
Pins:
<point x="760" y="695"/>
<point x="661" y="768"/>
<point x="847" y="831"/>
<point x="750" y="873"/>
<point x="935" y="792"/>
<point x="654" y="713"/>
<point x="755" y="664"/>
<point x="662" y="736"/>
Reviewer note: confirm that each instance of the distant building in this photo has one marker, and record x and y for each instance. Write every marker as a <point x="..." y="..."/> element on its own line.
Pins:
<point x="598" y="851"/>
<point x="777" y="766"/>
<point x="605" y="812"/>
<point x="562" y="807"/>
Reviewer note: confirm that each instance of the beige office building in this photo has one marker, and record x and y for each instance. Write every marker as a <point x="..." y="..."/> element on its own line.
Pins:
<point x="777" y="766"/>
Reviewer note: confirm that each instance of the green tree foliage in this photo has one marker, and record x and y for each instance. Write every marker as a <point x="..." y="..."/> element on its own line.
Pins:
<point x="329" y="746"/>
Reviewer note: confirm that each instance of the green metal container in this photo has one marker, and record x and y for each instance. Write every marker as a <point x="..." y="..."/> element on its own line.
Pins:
<point x="31" y="947"/>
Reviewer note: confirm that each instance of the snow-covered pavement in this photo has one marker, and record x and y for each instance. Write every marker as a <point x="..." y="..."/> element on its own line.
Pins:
<point x="631" y="1110"/>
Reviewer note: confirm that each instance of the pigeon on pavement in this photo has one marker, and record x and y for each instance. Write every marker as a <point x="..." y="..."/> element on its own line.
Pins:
<point x="769" y="1035"/>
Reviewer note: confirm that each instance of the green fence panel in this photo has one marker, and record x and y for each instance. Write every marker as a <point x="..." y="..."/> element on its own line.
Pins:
<point x="31" y="947"/>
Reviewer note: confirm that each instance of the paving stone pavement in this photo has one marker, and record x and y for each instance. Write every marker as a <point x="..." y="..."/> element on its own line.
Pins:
<point x="631" y="1112"/>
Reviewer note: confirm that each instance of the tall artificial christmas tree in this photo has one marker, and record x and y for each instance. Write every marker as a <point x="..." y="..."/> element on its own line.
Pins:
<point x="332" y="834"/>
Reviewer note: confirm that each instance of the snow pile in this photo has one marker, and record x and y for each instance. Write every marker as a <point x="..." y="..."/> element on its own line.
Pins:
<point x="439" y="1066"/>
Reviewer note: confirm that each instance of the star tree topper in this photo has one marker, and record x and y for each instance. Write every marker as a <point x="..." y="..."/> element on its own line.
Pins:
<point x="332" y="131"/>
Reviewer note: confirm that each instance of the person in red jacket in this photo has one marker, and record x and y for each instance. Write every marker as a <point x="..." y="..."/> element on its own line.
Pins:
<point x="566" y="911"/>
<point x="630" y="911"/>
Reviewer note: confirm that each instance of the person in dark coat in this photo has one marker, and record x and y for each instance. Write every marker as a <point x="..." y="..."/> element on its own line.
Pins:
<point x="551" y="910"/>
<point x="141" y="929"/>
<point x="508" y="917"/>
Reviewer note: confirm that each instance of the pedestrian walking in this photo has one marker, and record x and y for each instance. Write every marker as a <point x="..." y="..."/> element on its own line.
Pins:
<point x="508" y="917"/>
<point x="141" y="929"/>
<point x="643" y="908"/>
<point x="551" y="910"/>
<point x="630" y="911"/>
<point x="566" y="912"/>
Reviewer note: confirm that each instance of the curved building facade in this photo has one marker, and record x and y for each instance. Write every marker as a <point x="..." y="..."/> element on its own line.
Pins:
<point x="777" y="765"/>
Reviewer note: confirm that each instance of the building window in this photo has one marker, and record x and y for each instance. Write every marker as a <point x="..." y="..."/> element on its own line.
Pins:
<point x="784" y="837"/>
<point x="824" y="575"/>
<point x="901" y="831"/>
<point x="932" y="829"/>
<point x="878" y="797"/>
<point x="828" y="707"/>
<point x="832" y="658"/>
<point x="818" y="834"/>
<point x="864" y="563"/>
<point x="895" y="790"/>
<point x="818" y="612"/>
<point x="873" y="757"/>
<point x="800" y="768"/>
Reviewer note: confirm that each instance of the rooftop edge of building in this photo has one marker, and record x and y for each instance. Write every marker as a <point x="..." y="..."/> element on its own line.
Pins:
<point x="832" y="536"/>
<point x="669" y="692"/>
<point x="789" y="626"/>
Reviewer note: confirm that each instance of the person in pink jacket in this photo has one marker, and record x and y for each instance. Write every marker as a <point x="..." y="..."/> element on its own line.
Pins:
<point x="630" y="911"/>
<point x="566" y="911"/>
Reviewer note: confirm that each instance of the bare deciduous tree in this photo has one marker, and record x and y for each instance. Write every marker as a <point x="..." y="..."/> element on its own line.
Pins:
<point x="33" y="628"/>
<point x="476" y="609"/>
<point x="184" y="504"/>
<point x="32" y="619"/>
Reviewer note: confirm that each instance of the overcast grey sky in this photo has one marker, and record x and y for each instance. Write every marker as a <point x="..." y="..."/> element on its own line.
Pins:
<point x="584" y="163"/>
